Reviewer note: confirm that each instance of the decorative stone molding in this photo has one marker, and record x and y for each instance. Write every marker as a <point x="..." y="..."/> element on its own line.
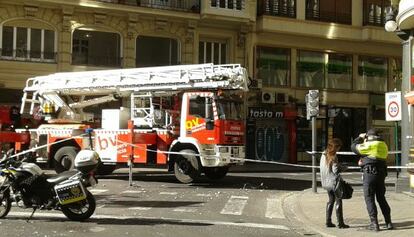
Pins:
<point x="99" y="18"/>
<point x="161" y="24"/>
<point x="189" y="36"/>
<point x="132" y="23"/>
<point x="66" y="18"/>
<point x="30" y="10"/>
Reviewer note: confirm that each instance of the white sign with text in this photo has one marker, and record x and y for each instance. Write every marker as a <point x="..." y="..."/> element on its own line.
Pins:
<point x="393" y="106"/>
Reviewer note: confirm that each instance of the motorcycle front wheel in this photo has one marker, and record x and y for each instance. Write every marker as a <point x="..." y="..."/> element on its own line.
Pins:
<point x="5" y="202"/>
<point x="82" y="210"/>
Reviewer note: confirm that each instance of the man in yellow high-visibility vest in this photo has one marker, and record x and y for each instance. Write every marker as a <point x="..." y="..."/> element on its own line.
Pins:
<point x="374" y="152"/>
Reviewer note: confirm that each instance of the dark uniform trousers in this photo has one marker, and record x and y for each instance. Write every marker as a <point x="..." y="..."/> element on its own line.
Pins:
<point x="374" y="187"/>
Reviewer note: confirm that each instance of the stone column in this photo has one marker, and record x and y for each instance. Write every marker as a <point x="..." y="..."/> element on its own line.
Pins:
<point x="300" y="9"/>
<point x="64" y="57"/>
<point x="129" y="49"/>
<point x="357" y="12"/>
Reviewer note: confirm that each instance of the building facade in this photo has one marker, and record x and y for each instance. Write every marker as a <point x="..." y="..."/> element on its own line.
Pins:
<point x="288" y="46"/>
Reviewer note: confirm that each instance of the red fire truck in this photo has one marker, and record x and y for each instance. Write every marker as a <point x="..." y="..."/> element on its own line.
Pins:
<point x="188" y="118"/>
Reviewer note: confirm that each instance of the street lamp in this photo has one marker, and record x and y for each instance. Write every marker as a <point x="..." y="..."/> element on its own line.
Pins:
<point x="390" y="23"/>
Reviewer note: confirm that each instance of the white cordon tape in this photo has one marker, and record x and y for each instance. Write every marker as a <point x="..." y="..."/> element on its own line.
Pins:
<point x="232" y="158"/>
<point x="46" y="145"/>
<point x="273" y="162"/>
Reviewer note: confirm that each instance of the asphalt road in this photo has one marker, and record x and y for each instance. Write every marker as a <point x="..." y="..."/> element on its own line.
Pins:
<point x="242" y="204"/>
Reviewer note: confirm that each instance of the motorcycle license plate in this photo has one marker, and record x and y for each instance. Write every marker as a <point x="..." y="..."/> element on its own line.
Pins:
<point x="70" y="192"/>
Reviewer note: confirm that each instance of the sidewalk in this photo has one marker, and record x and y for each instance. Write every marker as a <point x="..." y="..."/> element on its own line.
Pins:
<point x="307" y="210"/>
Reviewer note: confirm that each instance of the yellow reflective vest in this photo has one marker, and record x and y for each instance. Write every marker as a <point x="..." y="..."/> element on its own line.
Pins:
<point x="373" y="149"/>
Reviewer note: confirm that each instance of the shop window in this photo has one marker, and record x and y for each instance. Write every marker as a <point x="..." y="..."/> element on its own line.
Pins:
<point x="96" y="48"/>
<point x="339" y="71"/>
<point x="304" y="132"/>
<point x="338" y="11"/>
<point x="212" y="52"/>
<point x="273" y="66"/>
<point x="311" y="69"/>
<point x="372" y="74"/>
<point x="396" y="73"/>
<point x="324" y="70"/>
<point x="374" y="12"/>
<point x="21" y="43"/>
<point x="156" y="51"/>
<point x="346" y="124"/>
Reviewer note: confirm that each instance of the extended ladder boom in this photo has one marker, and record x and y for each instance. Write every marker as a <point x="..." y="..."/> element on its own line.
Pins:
<point x="112" y="84"/>
<point x="230" y="76"/>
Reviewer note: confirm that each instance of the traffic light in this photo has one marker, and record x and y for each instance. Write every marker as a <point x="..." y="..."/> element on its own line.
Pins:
<point x="312" y="104"/>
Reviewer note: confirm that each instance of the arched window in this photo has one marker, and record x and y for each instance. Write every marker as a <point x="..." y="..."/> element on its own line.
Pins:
<point x="19" y="42"/>
<point x="96" y="48"/>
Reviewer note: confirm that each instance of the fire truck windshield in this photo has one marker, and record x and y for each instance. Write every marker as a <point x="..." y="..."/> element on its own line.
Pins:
<point x="230" y="109"/>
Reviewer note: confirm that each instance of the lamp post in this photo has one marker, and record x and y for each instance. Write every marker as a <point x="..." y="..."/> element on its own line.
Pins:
<point x="397" y="23"/>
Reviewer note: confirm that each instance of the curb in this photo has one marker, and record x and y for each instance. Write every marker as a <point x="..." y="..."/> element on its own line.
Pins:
<point x="293" y="211"/>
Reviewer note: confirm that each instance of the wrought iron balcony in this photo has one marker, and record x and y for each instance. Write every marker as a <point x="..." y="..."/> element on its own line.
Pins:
<point x="285" y="8"/>
<point x="175" y="5"/>
<point x="374" y="12"/>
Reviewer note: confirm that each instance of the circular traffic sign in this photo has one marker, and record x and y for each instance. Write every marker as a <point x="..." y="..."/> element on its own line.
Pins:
<point x="393" y="109"/>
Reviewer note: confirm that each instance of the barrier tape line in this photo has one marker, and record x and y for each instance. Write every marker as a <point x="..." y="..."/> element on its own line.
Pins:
<point x="46" y="145"/>
<point x="231" y="157"/>
<point x="267" y="162"/>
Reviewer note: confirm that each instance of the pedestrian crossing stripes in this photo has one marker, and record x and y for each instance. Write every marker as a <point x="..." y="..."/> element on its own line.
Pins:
<point x="98" y="191"/>
<point x="133" y="191"/>
<point x="140" y="208"/>
<point x="185" y="209"/>
<point x="235" y="205"/>
<point x="150" y="218"/>
<point x="274" y="208"/>
<point x="168" y="193"/>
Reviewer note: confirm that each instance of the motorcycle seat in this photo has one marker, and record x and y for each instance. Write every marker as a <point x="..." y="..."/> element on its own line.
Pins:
<point x="61" y="176"/>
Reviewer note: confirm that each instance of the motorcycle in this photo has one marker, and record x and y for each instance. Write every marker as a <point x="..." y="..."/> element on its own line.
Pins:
<point x="26" y="184"/>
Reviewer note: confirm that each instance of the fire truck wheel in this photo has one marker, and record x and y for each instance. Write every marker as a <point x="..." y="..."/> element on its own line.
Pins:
<point x="216" y="172"/>
<point x="187" y="167"/>
<point x="64" y="158"/>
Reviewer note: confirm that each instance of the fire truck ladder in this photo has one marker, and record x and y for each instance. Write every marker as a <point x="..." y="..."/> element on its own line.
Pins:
<point x="112" y="84"/>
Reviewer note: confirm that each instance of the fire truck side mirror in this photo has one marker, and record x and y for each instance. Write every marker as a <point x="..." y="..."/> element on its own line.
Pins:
<point x="209" y="124"/>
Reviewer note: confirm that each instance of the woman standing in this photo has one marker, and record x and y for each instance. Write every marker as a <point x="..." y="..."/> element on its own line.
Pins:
<point x="329" y="170"/>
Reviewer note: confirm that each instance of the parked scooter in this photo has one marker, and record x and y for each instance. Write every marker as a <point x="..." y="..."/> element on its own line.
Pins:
<point x="26" y="184"/>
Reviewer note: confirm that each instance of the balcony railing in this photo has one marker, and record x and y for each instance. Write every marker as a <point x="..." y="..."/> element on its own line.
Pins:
<point x="175" y="5"/>
<point x="374" y="14"/>
<point x="285" y="8"/>
<point x="328" y="16"/>
<point x="228" y="4"/>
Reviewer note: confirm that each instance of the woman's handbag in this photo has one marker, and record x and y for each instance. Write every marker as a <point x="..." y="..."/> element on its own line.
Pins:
<point x="343" y="190"/>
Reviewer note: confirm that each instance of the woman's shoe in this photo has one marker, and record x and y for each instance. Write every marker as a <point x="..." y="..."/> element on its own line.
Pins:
<point x="343" y="226"/>
<point x="330" y="224"/>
